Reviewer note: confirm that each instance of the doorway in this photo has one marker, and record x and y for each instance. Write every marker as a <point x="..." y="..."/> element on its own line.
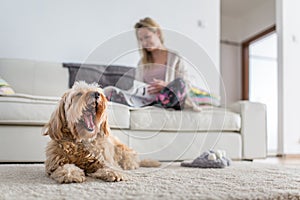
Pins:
<point x="261" y="81"/>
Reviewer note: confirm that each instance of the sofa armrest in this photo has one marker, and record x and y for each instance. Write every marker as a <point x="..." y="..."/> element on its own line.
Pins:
<point x="253" y="128"/>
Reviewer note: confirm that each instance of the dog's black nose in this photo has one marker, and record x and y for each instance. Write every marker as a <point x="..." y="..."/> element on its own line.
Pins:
<point x="96" y="95"/>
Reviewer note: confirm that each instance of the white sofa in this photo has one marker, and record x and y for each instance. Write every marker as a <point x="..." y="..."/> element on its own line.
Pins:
<point x="155" y="133"/>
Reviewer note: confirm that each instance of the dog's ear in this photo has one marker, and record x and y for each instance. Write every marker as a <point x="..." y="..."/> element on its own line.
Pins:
<point x="103" y="118"/>
<point x="54" y="128"/>
<point x="104" y="126"/>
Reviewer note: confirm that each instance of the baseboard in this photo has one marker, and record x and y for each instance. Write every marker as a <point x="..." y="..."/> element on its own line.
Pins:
<point x="291" y="156"/>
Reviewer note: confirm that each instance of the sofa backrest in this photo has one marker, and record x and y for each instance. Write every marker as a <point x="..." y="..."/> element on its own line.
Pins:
<point x="35" y="77"/>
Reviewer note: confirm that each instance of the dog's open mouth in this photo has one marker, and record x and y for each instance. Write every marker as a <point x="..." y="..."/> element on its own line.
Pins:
<point x="88" y="118"/>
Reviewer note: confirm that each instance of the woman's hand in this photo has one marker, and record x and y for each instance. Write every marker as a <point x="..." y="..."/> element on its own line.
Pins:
<point x="156" y="86"/>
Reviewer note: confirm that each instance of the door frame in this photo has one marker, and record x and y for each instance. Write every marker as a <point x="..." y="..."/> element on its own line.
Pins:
<point x="245" y="59"/>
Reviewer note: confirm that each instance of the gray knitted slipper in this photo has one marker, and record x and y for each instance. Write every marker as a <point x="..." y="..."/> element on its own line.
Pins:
<point x="209" y="159"/>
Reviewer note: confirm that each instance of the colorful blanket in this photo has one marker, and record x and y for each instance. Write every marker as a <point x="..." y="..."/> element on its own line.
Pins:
<point x="202" y="97"/>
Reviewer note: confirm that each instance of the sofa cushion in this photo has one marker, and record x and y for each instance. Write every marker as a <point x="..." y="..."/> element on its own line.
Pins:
<point x="118" y="115"/>
<point x="104" y="75"/>
<point x="23" y="109"/>
<point x="209" y="119"/>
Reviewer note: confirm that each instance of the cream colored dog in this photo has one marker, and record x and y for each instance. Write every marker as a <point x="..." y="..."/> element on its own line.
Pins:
<point x="82" y="144"/>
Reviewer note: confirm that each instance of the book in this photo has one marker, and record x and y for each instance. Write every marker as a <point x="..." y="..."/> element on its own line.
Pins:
<point x="137" y="96"/>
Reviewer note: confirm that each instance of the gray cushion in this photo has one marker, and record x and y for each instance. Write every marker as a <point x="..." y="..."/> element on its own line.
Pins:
<point x="119" y="76"/>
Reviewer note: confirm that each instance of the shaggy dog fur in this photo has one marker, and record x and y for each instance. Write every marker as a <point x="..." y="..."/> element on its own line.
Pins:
<point x="82" y="144"/>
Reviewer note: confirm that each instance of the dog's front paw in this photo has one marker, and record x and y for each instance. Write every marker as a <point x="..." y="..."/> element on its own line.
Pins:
<point x="109" y="175"/>
<point x="113" y="176"/>
<point x="68" y="173"/>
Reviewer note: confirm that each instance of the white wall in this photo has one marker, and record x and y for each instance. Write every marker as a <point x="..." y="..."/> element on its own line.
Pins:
<point x="288" y="28"/>
<point x="75" y="30"/>
<point x="238" y="30"/>
<point x="249" y="24"/>
<point x="230" y="29"/>
<point x="231" y="73"/>
<point x="257" y="20"/>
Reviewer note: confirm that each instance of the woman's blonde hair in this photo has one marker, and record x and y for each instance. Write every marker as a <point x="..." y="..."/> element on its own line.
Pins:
<point x="151" y="25"/>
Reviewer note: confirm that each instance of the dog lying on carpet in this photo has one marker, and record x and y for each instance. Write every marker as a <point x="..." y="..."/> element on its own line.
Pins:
<point x="82" y="144"/>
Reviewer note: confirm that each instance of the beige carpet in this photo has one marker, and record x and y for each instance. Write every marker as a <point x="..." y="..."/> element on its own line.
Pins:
<point x="242" y="180"/>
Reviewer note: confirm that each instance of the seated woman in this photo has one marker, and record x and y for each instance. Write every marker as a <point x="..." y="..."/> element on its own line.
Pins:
<point x="161" y="68"/>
